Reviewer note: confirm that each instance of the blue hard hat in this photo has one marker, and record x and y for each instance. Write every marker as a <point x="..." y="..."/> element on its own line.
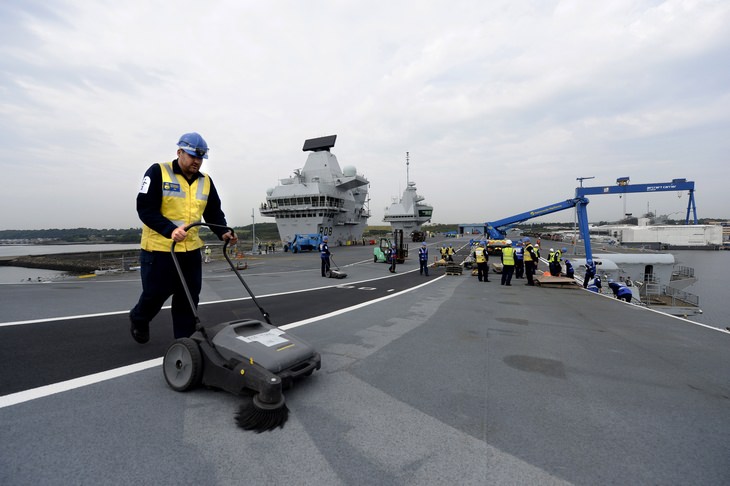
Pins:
<point x="423" y="244"/>
<point x="563" y="250"/>
<point x="325" y="238"/>
<point x="193" y="144"/>
<point x="526" y="239"/>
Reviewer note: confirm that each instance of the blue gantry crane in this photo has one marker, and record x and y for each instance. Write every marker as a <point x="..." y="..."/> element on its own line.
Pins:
<point x="498" y="229"/>
<point x="623" y="187"/>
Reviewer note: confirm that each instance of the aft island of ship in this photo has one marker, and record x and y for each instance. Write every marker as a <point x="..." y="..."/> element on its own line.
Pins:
<point x="410" y="212"/>
<point x="320" y="199"/>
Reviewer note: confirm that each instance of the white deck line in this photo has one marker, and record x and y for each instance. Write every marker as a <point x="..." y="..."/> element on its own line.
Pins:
<point x="63" y="386"/>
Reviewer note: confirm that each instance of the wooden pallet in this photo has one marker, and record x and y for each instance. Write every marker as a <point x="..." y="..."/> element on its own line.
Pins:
<point x="550" y="281"/>
<point x="453" y="269"/>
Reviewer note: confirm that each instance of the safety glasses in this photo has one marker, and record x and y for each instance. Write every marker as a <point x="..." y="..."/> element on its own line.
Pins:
<point x="199" y="152"/>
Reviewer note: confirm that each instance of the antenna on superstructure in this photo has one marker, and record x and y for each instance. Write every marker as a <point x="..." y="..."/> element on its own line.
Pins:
<point x="408" y="179"/>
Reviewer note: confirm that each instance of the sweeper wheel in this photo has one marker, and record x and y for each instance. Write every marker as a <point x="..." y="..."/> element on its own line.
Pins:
<point x="183" y="365"/>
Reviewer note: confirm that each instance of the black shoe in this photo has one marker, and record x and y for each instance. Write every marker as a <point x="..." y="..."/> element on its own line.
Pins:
<point x="140" y="332"/>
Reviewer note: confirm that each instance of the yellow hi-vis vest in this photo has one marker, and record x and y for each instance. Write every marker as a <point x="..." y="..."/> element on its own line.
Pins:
<point x="527" y="257"/>
<point x="508" y="255"/>
<point x="479" y="252"/>
<point x="183" y="204"/>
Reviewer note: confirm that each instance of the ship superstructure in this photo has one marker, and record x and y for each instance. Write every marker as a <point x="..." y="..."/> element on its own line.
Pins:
<point x="410" y="212"/>
<point x="320" y="198"/>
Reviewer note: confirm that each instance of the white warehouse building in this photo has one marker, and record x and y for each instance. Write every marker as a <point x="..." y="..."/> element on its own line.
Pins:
<point x="700" y="236"/>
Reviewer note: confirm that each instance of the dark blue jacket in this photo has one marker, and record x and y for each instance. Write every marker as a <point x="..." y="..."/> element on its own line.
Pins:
<point x="324" y="250"/>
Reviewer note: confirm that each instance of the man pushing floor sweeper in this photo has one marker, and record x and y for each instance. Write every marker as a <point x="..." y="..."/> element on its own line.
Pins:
<point x="245" y="357"/>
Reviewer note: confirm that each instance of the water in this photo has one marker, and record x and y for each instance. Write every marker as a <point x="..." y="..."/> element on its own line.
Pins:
<point x="22" y="274"/>
<point x="23" y="250"/>
<point x="711" y="269"/>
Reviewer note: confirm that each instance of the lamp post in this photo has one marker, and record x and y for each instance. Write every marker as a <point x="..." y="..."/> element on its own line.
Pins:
<point x="253" y="231"/>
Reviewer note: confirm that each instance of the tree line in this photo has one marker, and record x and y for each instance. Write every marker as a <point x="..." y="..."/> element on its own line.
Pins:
<point x="264" y="232"/>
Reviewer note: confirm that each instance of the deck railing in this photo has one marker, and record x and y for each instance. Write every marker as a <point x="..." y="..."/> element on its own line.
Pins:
<point x="681" y="296"/>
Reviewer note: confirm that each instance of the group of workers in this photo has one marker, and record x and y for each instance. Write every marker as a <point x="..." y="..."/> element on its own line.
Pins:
<point x="520" y="261"/>
<point x="447" y="253"/>
<point x="593" y="282"/>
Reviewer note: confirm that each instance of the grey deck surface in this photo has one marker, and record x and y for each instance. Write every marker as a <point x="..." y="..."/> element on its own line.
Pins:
<point x="456" y="382"/>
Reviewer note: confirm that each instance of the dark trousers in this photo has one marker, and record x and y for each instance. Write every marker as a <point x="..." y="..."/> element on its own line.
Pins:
<point x="507" y="274"/>
<point x="160" y="280"/>
<point x="519" y="269"/>
<point x="325" y="266"/>
<point x="423" y="267"/>
<point x="555" y="269"/>
<point x="483" y="271"/>
<point x="392" y="264"/>
<point x="530" y="271"/>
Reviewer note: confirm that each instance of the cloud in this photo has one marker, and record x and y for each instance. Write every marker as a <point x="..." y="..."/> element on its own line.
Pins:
<point x="502" y="105"/>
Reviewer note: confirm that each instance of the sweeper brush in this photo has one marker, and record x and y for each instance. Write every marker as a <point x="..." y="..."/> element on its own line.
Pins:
<point x="246" y="357"/>
<point x="259" y="416"/>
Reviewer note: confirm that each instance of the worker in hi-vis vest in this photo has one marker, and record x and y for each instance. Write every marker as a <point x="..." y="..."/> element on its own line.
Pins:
<point x="423" y="259"/>
<point x="174" y="195"/>
<point x="324" y="255"/>
<point x="519" y="261"/>
<point x="508" y="263"/>
<point x="482" y="258"/>
<point x="530" y="258"/>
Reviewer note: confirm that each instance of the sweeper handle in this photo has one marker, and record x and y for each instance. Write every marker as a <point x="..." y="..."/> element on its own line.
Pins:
<point x="228" y="259"/>
<point x="235" y="270"/>
<point x="333" y="262"/>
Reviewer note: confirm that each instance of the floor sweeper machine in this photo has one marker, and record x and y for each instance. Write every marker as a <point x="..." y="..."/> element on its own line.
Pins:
<point x="246" y="357"/>
<point x="334" y="272"/>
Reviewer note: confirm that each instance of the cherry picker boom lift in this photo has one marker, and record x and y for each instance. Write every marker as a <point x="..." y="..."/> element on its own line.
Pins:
<point x="498" y="229"/>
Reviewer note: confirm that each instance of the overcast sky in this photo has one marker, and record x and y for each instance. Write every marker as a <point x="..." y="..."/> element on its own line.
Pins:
<point x="501" y="104"/>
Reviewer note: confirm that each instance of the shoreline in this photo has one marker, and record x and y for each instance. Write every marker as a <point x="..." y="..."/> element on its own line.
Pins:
<point x="76" y="263"/>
